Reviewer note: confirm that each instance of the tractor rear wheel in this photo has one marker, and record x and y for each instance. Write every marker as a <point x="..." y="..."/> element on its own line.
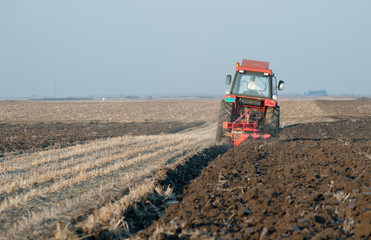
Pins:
<point x="272" y="121"/>
<point x="225" y="115"/>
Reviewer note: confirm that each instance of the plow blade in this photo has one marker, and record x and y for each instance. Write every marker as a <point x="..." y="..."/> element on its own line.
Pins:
<point x="240" y="139"/>
<point x="254" y="136"/>
<point x="266" y="136"/>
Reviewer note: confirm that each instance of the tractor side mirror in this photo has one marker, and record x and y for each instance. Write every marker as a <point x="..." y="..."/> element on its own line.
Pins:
<point x="228" y="80"/>
<point x="281" y="85"/>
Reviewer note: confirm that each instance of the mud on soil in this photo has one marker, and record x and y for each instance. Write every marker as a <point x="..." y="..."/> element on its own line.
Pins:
<point x="312" y="183"/>
<point x="43" y="135"/>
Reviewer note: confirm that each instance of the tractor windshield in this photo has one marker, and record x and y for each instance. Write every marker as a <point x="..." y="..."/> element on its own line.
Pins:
<point x="252" y="85"/>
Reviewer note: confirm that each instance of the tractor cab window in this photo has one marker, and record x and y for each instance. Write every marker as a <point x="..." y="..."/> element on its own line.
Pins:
<point x="252" y="85"/>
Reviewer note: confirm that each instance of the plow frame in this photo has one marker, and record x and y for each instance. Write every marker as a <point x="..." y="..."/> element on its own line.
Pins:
<point x="244" y="129"/>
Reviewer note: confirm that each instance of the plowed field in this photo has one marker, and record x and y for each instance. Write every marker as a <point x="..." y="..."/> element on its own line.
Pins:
<point x="108" y="170"/>
<point x="312" y="183"/>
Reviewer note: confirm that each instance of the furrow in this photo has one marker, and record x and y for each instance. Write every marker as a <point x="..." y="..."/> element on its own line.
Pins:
<point x="29" y="160"/>
<point x="14" y="201"/>
<point x="127" y="178"/>
<point x="44" y="175"/>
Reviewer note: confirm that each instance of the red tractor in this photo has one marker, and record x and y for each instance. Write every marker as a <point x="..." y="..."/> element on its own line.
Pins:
<point x="250" y="109"/>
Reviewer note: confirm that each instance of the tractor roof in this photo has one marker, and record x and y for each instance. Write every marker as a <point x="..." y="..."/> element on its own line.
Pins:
<point x="254" y="66"/>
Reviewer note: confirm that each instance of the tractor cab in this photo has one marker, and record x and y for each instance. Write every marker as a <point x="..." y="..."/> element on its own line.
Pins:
<point x="254" y="79"/>
<point x="252" y="84"/>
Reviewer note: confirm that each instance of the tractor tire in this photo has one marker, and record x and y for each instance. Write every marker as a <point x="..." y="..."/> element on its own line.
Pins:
<point x="225" y="115"/>
<point x="272" y="121"/>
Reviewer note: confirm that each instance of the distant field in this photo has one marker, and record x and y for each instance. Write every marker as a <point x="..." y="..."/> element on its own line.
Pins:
<point x="166" y="111"/>
<point x="33" y="126"/>
<point x="126" y="111"/>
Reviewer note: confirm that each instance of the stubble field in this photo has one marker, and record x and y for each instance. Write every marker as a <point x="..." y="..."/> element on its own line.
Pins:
<point x="109" y="169"/>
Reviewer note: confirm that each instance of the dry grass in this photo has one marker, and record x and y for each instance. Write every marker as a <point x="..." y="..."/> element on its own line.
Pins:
<point x="111" y="217"/>
<point x="40" y="188"/>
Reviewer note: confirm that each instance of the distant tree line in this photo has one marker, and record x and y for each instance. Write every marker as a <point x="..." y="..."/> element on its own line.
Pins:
<point x="317" y="93"/>
<point x="62" y="99"/>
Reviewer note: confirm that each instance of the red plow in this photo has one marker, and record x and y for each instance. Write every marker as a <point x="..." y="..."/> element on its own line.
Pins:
<point x="241" y="130"/>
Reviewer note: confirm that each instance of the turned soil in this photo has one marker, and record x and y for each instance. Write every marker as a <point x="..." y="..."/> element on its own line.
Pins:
<point x="312" y="183"/>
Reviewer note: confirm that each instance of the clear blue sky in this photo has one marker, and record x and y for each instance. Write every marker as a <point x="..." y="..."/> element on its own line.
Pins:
<point x="90" y="47"/>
